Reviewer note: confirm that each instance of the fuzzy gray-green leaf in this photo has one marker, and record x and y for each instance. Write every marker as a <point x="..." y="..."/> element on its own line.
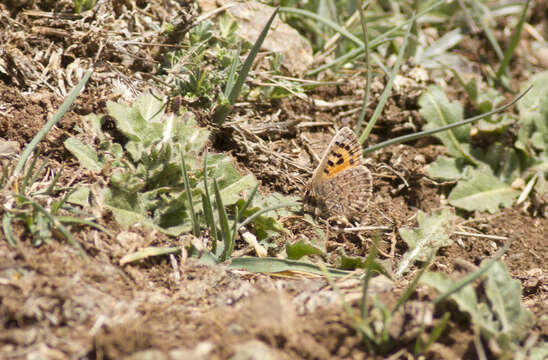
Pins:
<point x="445" y="168"/>
<point x="504" y="294"/>
<point x="436" y="108"/>
<point x="433" y="232"/>
<point x="84" y="153"/>
<point x="482" y="192"/>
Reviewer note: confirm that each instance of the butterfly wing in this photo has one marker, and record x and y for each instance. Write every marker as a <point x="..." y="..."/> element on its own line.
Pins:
<point x="341" y="185"/>
<point x="343" y="152"/>
<point x="346" y="194"/>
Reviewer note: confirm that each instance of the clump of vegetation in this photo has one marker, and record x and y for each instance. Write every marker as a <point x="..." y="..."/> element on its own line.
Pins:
<point x="159" y="180"/>
<point x="497" y="173"/>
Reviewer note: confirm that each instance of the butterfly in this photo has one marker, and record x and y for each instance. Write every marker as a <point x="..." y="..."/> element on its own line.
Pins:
<point x="341" y="185"/>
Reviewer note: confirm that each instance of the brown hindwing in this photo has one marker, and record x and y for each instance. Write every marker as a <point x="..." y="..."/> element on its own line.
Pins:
<point x="347" y="194"/>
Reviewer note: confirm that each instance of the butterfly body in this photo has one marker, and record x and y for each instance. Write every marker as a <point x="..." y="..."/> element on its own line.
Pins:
<point x="341" y="185"/>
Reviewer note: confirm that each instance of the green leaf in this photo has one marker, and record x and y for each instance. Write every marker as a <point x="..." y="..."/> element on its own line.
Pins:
<point x="485" y="98"/>
<point x="441" y="46"/>
<point x="500" y="316"/>
<point x="301" y="248"/>
<point x="533" y="115"/>
<point x="150" y="187"/>
<point x="95" y="121"/>
<point x="80" y="196"/>
<point x="226" y="234"/>
<point x="358" y="262"/>
<point x="438" y="111"/>
<point x="274" y="265"/>
<point x="482" y="192"/>
<point x="264" y="226"/>
<point x="127" y="219"/>
<point x="504" y="294"/>
<point x="150" y="107"/>
<point x="538" y="94"/>
<point x="275" y="199"/>
<point x="503" y="162"/>
<point x="148" y="252"/>
<point x="192" y="138"/>
<point x="445" y="168"/>
<point x="221" y="168"/>
<point x="84" y="153"/>
<point x="84" y="5"/>
<point x="433" y="233"/>
<point x="539" y="139"/>
<point x="8" y="230"/>
<point x="465" y="298"/>
<point x="231" y="193"/>
<point x="138" y="123"/>
<point x="496" y="124"/>
<point x="128" y="121"/>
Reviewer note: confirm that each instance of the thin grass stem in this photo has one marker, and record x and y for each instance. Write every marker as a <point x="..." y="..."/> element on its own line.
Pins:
<point x="387" y="89"/>
<point x="367" y="69"/>
<point x="513" y="42"/>
<point x="411" y="137"/>
<point x="54" y="120"/>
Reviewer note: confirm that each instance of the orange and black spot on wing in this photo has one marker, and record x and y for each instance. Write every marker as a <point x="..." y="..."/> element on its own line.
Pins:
<point x="342" y="155"/>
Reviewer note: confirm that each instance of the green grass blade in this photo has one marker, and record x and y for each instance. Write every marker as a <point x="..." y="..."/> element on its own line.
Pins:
<point x="473" y="276"/>
<point x="29" y="172"/>
<point x="225" y="229"/>
<point x="374" y="43"/>
<point x="341" y="30"/>
<point x="340" y="60"/>
<point x="54" y="120"/>
<point x="80" y="221"/>
<point x="210" y="221"/>
<point x="249" y="199"/>
<point x="4" y="175"/>
<point x="235" y="227"/>
<point x="349" y="56"/>
<point x="235" y="91"/>
<point x="388" y="88"/>
<point x="368" y="266"/>
<point x="367" y="64"/>
<point x="6" y="227"/>
<point x="411" y="288"/>
<point x="242" y="210"/>
<point x="482" y="11"/>
<point x="232" y="72"/>
<point x="513" y="42"/>
<point x="195" y="225"/>
<point x="265" y="210"/>
<point x="49" y="190"/>
<point x="149" y="252"/>
<point x="40" y="168"/>
<point x="411" y="137"/>
<point x="57" y="204"/>
<point x="420" y="347"/>
<point x="208" y="210"/>
<point x="56" y="224"/>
